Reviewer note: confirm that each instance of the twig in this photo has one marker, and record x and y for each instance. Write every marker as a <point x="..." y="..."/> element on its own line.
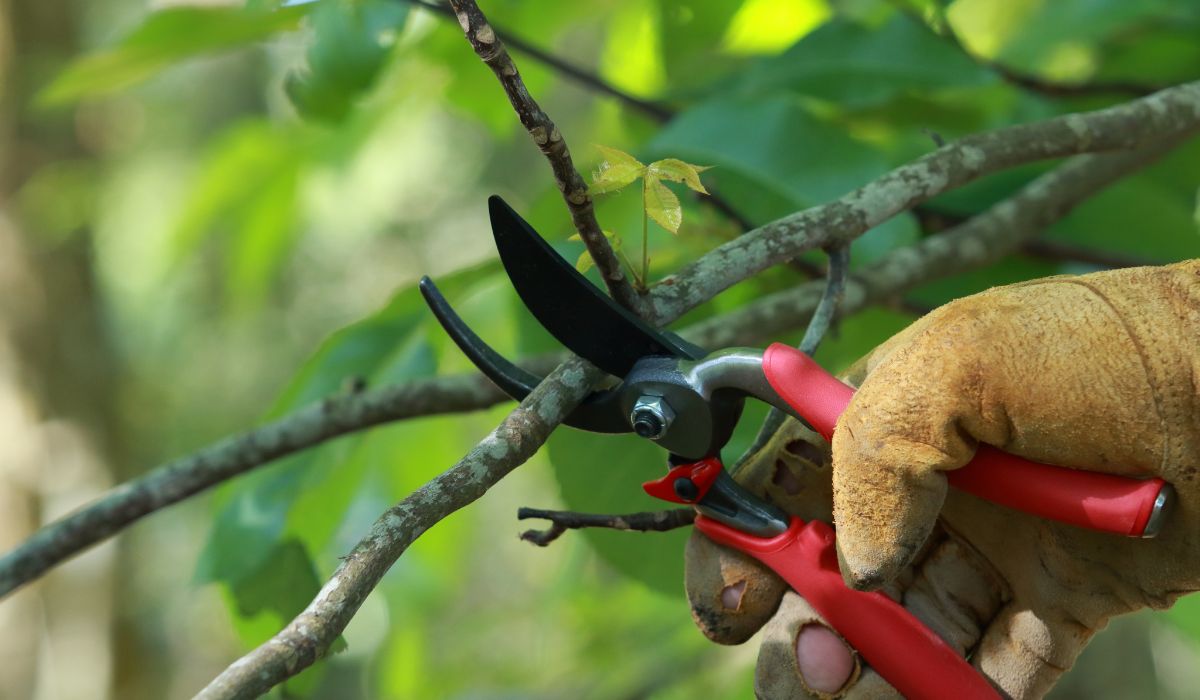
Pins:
<point x="490" y="49"/>
<point x="563" y="520"/>
<point x="655" y="111"/>
<point x="1033" y="83"/>
<point x="933" y="221"/>
<point x="1065" y="252"/>
<point x="658" y="112"/>
<point x="818" y="326"/>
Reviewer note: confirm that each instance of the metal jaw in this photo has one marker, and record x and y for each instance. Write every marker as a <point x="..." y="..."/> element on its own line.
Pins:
<point x="706" y="485"/>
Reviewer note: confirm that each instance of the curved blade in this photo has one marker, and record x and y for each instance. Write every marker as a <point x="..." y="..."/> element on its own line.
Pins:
<point x="598" y="413"/>
<point x="576" y="313"/>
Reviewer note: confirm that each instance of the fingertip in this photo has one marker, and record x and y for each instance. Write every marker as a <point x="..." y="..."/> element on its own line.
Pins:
<point x="862" y="578"/>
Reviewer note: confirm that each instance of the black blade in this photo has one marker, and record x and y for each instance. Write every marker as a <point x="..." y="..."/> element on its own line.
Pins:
<point x="599" y="412"/>
<point x="575" y="312"/>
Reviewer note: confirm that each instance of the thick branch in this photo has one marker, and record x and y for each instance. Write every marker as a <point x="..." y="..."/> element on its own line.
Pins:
<point x="1161" y="117"/>
<point x="563" y="520"/>
<point x="308" y="637"/>
<point x="545" y="134"/>
<point x="997" y="232"/>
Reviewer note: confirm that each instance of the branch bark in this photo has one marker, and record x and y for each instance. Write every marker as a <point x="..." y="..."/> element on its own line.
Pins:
<point x="308" y="637"/>
<point x="1170" y="114"/>
<point x="563" y="520"/>
<point x="997" y="232"/>
<point x="490" y="49"/>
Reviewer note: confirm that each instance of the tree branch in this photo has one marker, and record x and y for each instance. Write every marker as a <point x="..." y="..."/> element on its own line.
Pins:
<point x="184" y="477"/>
<point x="563" y="520"/>
<point x="490" y="49"/>
<point x="1162" y="117"/>
<point x="308" y="637"/>
<point x="657" y="112"/>
<point x="997" y="232"/>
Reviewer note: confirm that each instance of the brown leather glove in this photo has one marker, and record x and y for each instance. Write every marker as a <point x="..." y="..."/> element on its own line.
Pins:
<point x="1099" y="372"/>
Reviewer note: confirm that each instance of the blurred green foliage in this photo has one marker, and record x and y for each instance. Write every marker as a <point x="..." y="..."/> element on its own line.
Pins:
<point x="359" y="158"/>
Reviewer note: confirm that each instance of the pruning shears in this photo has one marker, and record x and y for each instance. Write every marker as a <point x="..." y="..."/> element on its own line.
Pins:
<point x="688" y="401"/>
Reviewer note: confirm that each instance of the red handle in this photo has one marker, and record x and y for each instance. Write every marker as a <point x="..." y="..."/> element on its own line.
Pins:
<point x="1098" y="501"/>
<point x="901" y="649"/>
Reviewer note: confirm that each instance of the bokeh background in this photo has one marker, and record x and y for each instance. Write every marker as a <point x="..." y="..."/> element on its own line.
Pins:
<point x="214" y="213"/>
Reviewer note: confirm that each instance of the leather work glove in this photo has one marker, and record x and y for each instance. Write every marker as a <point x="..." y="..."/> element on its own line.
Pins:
<point x="1097" y="372"/>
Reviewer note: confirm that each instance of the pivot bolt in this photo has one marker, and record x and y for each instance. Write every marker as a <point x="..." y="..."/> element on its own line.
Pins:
<point x="651" y="417"/>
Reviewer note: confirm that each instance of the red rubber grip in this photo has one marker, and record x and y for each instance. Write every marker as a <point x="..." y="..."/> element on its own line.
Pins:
<point x="917" y="662"/>
<point x="1102" y="502"/>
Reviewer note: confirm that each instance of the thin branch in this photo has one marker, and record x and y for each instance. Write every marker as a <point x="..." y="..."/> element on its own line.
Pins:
<point x="588" y="79"/>
<point x="1051" y="88"/>
<point x="933" y="221"/>
<point x="1162" y="117"/>
<point x="490" y="49"/>
<point x="1065" y="252"/>
<point x="189" y="475"/>
<point x="818" y="326"/>
<point x="592" y="81"/>
<point x="563" y="520"/>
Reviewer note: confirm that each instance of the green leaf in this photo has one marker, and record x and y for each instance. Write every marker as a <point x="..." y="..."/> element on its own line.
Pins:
<point x="353" y="42"/>
<point x="584" y="262"/>
<point x="676" y="170"/>
<point x="164" y="39"/>
<point x="258" y="223"/>
<point x="775" y="142"/>
<point x="661" y="204"/>
<point x="617" y="170"/>
<point x="856" y="66"/>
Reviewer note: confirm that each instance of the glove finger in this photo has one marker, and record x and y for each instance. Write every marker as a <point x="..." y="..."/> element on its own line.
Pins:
<point x="731" y="594"/>
<point x="903" y="426"/>
<point x="1025" y="652"/>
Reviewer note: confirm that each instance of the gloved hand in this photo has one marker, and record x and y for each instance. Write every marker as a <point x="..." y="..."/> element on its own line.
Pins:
<point x="1100" y="372"/>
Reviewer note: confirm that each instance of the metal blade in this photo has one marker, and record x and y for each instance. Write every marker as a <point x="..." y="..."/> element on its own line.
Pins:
<point x="598" y="413"/>
<point x="575" y="312"/>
